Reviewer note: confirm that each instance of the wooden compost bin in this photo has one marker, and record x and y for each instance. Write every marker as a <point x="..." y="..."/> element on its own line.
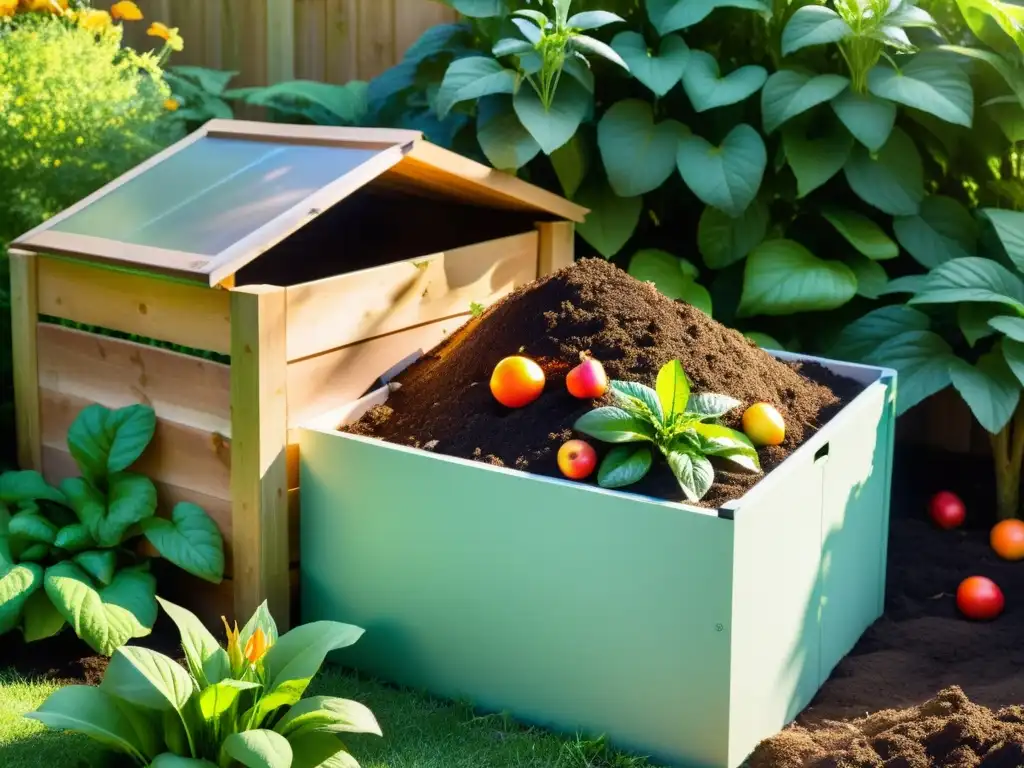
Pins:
<point x="313" y="258"/>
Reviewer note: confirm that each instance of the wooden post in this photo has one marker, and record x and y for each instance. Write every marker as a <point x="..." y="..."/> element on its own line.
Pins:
<point x="280" y="41"/>
<point x="557" y="246"/>
<point x="24" y="321"/>
<point x="259" y="434"/>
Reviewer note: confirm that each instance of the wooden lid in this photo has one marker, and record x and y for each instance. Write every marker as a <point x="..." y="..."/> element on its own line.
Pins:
<point x="205" y="207"/>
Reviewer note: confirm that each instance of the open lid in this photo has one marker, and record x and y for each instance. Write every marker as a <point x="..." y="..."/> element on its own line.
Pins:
<point x="205" y="207"/>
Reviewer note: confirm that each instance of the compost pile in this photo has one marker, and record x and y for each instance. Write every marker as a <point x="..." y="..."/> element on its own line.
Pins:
<point x="445" y="404"/>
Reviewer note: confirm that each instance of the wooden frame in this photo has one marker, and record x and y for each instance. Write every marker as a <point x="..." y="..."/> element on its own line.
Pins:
<point x="25" y="358"/>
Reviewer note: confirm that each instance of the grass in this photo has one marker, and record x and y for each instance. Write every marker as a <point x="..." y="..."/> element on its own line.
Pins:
<point x="419" y="732"/>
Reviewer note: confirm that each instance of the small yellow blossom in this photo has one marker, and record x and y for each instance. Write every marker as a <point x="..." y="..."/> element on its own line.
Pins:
<point x="171" y="105"/>
<point x="93" y="20"/>
<point x="234" y="647"/>
<point x="126" y="10"/>
<point x="256" y="646"/>
<point x="170" y="34"/>
<point x="8" y="7"/>
<point x="53" y="6"/>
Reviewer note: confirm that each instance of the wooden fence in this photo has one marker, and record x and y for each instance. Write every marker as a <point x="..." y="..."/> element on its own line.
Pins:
<point x="268" y="41"/>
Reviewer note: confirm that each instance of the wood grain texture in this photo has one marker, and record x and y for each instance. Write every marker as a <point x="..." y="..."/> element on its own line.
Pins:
<point x="24" y="268"/>
<point x="557" y="247"/>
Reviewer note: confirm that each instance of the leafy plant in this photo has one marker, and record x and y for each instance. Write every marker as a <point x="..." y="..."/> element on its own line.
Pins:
<point x="69" y="555"/>
<point x="682" y="425"/>
<point x="236" y="705"/>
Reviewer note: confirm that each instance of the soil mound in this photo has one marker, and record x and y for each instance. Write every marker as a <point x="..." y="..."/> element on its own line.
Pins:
<point x="445" y="404"/>
<point x="947" y="731"/>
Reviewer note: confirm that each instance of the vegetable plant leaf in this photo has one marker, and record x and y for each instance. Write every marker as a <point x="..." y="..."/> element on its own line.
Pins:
<point x="103" y="441"/>
<point x="29" y="485"/>
<point x="930" y="82"/>
<point x="782" y="277"/>
<point x="614" y="425"/>
<point x="327" y="714"/>
<point x="17" y="583"/>
<point x="40" y="619"/>
<point x="190" y="540"/>
<point x="724" y="240"/>
<point x="763" y="340"/>
<point x="74" y="538"/>
<point x="673" y="389"/>
<point x="940" y="231"/>
<point x="973" y="320"/>
<point x="551" y="128"/>
<point x="871" y="276"/>
<point x="206" y="659"/>
<point x="813" y="25"/>
<point x="706" y="89"/>
<point x="633" y="396"/>
<point x="171" y="760"/>
<point x="723" y="442"/>
<point x="817" y="156"/>
<point x="669" y="276"/>
<point x="1009" y="228"/>
<point x="598" y="48"/>
<point x="922" y="359"/>
<point x="571" y="161"/>
<point x="989" y="388"/>
<point x="861" y="337"/>
<point x="593" y="19"/>
<point x="660" y="72"/>
<point x="471" y="78"/>
<point x="32" y="526"/>
<point x="694" y="474"/>
<point x="507" y="145"/>
<point x="789" y="93"/>
<point x="892" y="180"/>
<point x="671" y="15"/>
<point x="148" y="679"/>
<point x="728" y="176"/>
<point x="869" y="119"/>
<point x="315" y="749"/>
<point x="259" y="749"/>
<point x="639" y="155"/>
<point x="624" y="465"/>
<point x="1013" y="352"/>
<point x="612" y="219"/>
<point x="92" y="711"/>
<point x="973" y="278"/>
<point x="511" y="46"/>
<point x="218" y="698"/>
<point x="862" y="233"/>
<point x="131" y="499"/>
<point x="710" y="405"/>
<point x="1013" y="327"/>
<point x="98" y="563"/>
<point x="88" y="503"/>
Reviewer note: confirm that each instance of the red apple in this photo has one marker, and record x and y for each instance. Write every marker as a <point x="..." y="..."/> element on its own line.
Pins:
<point x="946" y="510"/>
<point x="588" y="380"/>
<point x="979" y="598"/>
<point x="577" y="459"/>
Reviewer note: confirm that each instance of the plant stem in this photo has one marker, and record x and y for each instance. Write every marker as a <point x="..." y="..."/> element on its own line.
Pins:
<point x="1008" y="455"/>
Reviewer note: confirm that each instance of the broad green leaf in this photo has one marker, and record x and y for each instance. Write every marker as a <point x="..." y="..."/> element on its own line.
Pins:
<point x="922" y="360"/>
<point x="507" y="145"/>
<point x="87" y="502"/>
<point x="669" y="276"/>
<point x="782" y="278"/>
<point x="40" y="619"/>
<point x="93" y="712"/>
<point x="613" y="425"/>
<point x="328" y="714"/>
<point x="972" y="279"/>
<point x="218" y="698"/>
<point x="1009" y="228"/>
<point x="131" y="499"/>
<point x="511" y="46"/>
<point x="207" y="660"/>
<point x="860" y="338"/>
<point x="871" y="276"/>
<point x="32" y="526"/>
<point x="551" y="128"/>
<point x="710" y="405"/>
<point x="571" y="161"/>
<point x="724" y="240"/>
<point x="315" y="749"/>
<point x="17" y="583"/>
<point x="471" y="78"/>
<point x="728" y="176"/>
<point x="148" y="679"/>
<point x="190" y="540"/>
<point x="587" y="44"/>
<point x="98" y="563"/>
<point x="930" y="82"/>
<point x="906" y="284"/>
<point x="813" y="25"/>
<point x="973" y="320"/>
<point x="612" y="219"/>
<point x="103" y="441"/>
<point x="789" y="93"/>
<point x="942" y="230"/>
<point x="34" y="552"/>
<point x="638" y="154"/>
<point x="869" y="119"/>
<point x="344" y="104"/>
<point x="1013" y="327"/>
<point x="694" y="473"/>
<point x="1011" y="74"/>
<point x="531" y="32"/>
<point x="999" y="25"/>
<point x="635" y="396"/>
<point x="660" y="72"/>
<point x="815" y="156"/>
<point x="108" y="618"/>
<point x="706" y="89"/>
<point x="593" y="19"/>
<point x="763" y="340"/>
<point x="260" y="619"/>
<point x="74" y="538"/>
<point x="29" y="485"/>
<point x="479" y="9"/>
<point x="577" y="67"/>
<point x="673" y="389"/>
<point x="862" y="233"/>
<point x="624" y="465"/>
<point x="892" y="180"/>
<point x="723" y="442"/>
<point x="1013" y="351"/>
<point x="5" y="545"/>
<point x="671" y="15"/>
<point x="170" y="760"/>
<point x="259" y="749"/>
<point x="989" y="388"/>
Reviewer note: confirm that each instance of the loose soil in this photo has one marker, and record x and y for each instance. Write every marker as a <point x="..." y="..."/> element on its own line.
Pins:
<point x="445" y="404"/>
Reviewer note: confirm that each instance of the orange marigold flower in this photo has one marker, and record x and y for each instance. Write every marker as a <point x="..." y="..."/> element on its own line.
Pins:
<point x="170" y="105"/>
<point x="8" y="7"/>
<point x="126" y="10"/>
<point x="93" y="20"/>
<point x="157" y="29"/>
<point x="256" y="646"/>
<point x="53" y="6"/>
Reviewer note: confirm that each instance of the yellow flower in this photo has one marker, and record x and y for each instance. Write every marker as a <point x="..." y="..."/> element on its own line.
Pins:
<point x="256" y="647"/>
<point x="53" y="6"/>
<point x="94" y="21"/>
<point x="8" y="7"/>
<point x="170" y="34"/>
<point x="126" y="10"/>
<point x="171" y="105"/>
<point x="235" y="657"/>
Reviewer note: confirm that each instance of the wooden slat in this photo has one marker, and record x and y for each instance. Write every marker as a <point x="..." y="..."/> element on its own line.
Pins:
<point x="342" y="46"/>
<point x="24" y="269"/>
<point x="375" y="37"/>
<point x="259" y="428"/>
<point x="190" y="315"/>
<point x="280" y="40"/>
<point x="311" y="39"/>
<point x="347" y="309"/>
<point x="320" y="384"/>
<point x="412" y="19"/>
<point x="557" y="246"/>
<point x="306" y="134"/>
<point x="292" y="460"/>
<point x="159" y="261"/>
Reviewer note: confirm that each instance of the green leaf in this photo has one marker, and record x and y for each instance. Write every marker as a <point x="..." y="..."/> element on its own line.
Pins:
<point x="131" y="499"/>
<point x="892" y="180"/>
<point x="694" y="474"/>
<point x="867" y="117"/>
<point x="624" y="465"/>
<point x="207" y="660"/>
<point x="571" y="162"/>
<point x="219" y="697"/>
<point x="108" y="618"/>
<point x="612" y="219"/>
<point x="593" y="19"/>
<point x="972" y="279"/>
<point x="87" y="502"/>
<point x="723" y="442"/>
<point x="148" y="679"/>
<point x="314" y="749"/>
<point x="668" y="275"/>
<point x="671" y="15"/>
<point x="922" y="360"/>
<point x="170" y="760"/>
<point x="261" y="619"/>
<point x="973" y="320"/>
<point x="28" y="485"/>
<point x="941" y="231"/>
<point x="815" y="157"/>
<point x="507" y="145"/>
<point x="782" y="278"/>
<point x="511" y="46"/>
<point x="862" y="233"/>
<point x="259" y="749"/>
<point x="17" y="583"/>
<point x="673" y="389"/>
<point x="74" y="538"/>
<point x="98" y="563"/>
<point x="33" y="527"/>
<point x="551" y="128"/>
<point x="789" y="93"/>
<point x="614" y="425"/>
<point x="93" y="712"/>
<point x="34" y="552"/>
<point x="906" y="284"/>
<point x="1009" y="228"/>
<point x="1010" y="73"/>
<point x="871" y="276"/>
<point x="638" y="154"/>
<point x="103" y="441"/>
<point x="471" y="78"/>
<point x="190" y="540"/>
<point x="813" y="25"/>
<point x="633" y="396"/>
<point x="345" y="104"/>
<point x="764" y="341"/>
<point x="479" y="9"/>
<point x="40" y="619"/>
<point x="1013" y="352"/>
<point x="706" y="89"/>
<point x="710" y="405"/>
<point x="929" y="82"/>
<point x="989" y="388"/>
<point x="723" y="240"/>
<point x="587" y="44"/>
<point x="1013" y="327"/>
<point x="860" y="338"/>
<point x="660" y="72"/>
<point x="327" y="714"/>
<point x="728" y="176"/>
<point x="999" y="25"/>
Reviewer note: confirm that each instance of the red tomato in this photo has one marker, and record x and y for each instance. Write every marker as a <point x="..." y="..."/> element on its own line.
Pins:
<point x="946" y="510"/>
<point x="979" y="598"/>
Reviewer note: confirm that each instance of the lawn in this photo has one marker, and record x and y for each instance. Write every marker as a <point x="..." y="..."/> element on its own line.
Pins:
<point x="419" y="732"/>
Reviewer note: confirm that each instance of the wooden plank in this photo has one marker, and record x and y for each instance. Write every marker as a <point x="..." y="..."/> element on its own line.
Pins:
<point x="305" y="134"/>
<point x="190" y="315"/>
<point x="375" y="37"/>
<point x="342" y="46"/>
<point x="413" y="18"/>
<point x="343" y="310"/>
<point x="259" y="408"/>
<point x="24" y="269"/>
<point x="187" y="390"/>
<point x="160" y="261"/>
<point x="311" y="40"/>
<point x="280" y="40"/>
<point x="557" y="248"/>
<point x="292" y="461"/>
<point x="320" y="384"/>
